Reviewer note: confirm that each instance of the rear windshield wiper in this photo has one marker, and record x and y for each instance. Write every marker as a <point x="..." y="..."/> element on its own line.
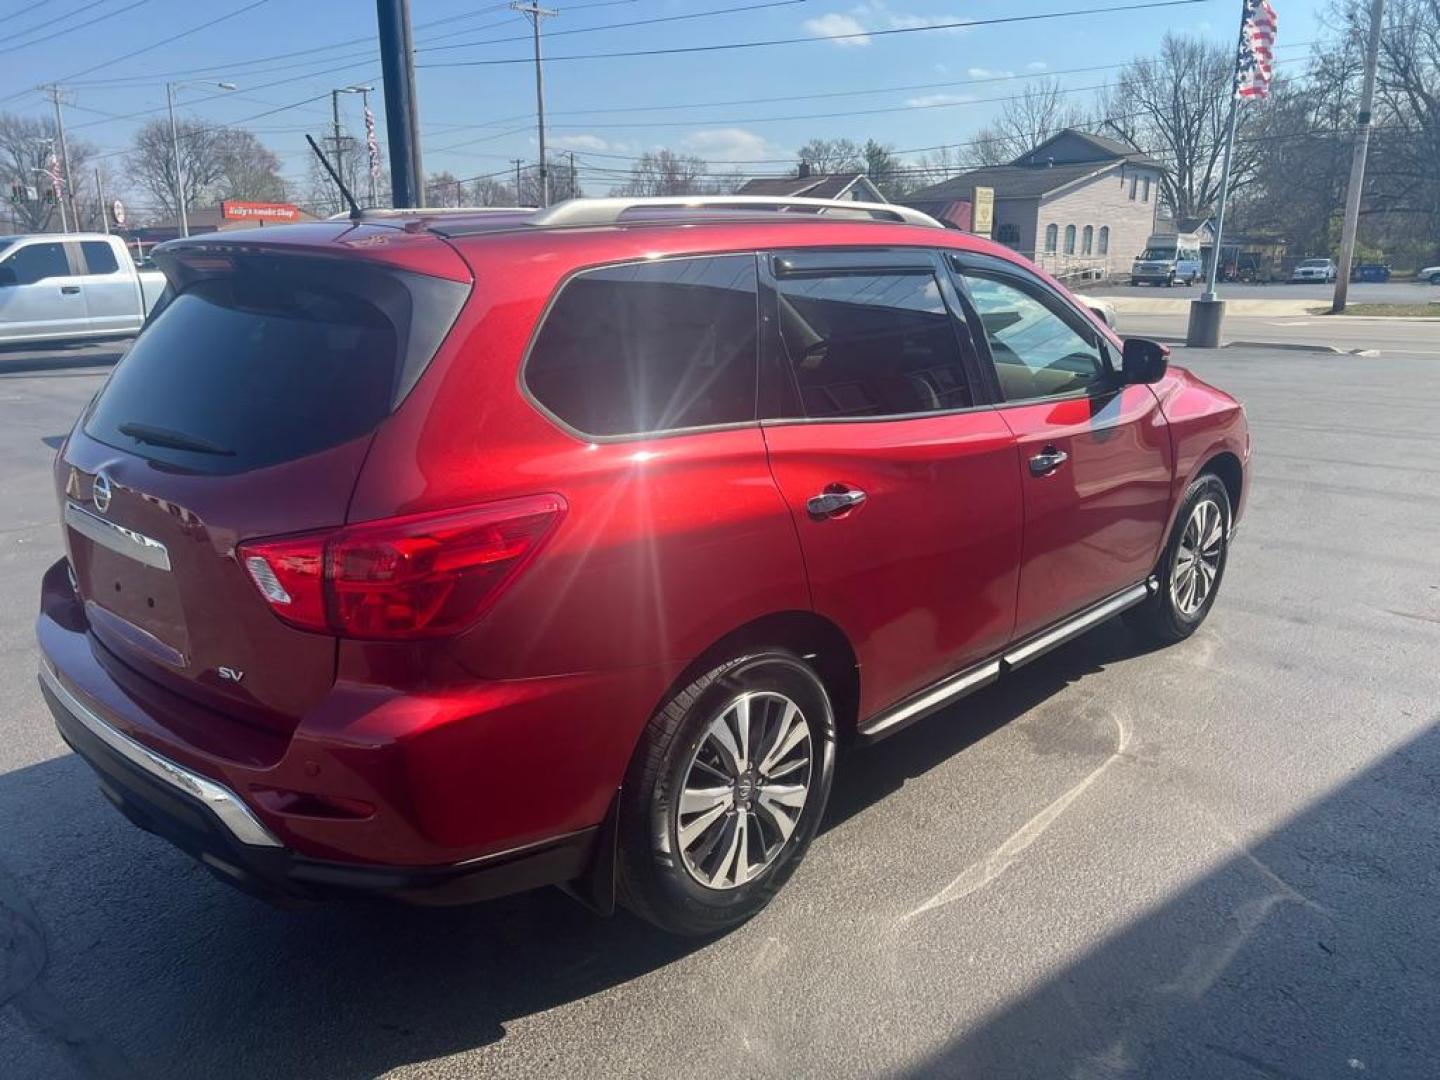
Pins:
<point x="175" y="440"/>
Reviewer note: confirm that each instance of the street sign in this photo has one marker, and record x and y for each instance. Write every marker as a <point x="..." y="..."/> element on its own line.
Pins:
<point x="117" y="211"/>
<point x="234" y="210"/>
<point x="982" y="214"/>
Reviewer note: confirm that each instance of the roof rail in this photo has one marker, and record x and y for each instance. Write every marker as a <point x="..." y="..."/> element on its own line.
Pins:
<point x="609" y="211"/>
<point x="430" y="211"/>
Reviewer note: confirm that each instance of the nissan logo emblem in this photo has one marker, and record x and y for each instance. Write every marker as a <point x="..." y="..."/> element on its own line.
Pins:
<point x="100" y="492"/>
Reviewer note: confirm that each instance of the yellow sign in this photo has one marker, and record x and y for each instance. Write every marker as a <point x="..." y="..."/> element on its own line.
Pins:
<point x="982" y="211"/>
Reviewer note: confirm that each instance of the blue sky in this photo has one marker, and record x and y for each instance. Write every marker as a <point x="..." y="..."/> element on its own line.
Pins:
<point x="932" y="87"/>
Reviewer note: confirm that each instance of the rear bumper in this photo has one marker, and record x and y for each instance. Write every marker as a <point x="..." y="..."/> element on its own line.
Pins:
<point x="211" y="823"/>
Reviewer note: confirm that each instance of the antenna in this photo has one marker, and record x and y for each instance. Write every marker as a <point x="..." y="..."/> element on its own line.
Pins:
<point x="356" y="214"/>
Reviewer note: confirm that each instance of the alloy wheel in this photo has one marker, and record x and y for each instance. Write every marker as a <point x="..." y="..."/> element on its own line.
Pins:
<point x="1197" y="558"/>
<point x="744" y="789"/>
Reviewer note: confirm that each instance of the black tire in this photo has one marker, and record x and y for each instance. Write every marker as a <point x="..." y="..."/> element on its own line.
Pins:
<point x="1170" y="282"/>
<point x="659" y="880"/>
<point x="1163" y="617"/>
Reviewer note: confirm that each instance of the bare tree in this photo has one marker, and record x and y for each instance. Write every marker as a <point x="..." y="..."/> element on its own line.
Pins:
<point x="663" y="172"/>
<point x="833" y="155"/>
<point x="26" y="144"/>
<point x="152" y="161"/>
<point x="488" y="191"/>
<point x="885" y="170"/>
<point x="442" y="189"/>
<point x="248" y="168"/>
<point x="1175" y="107"/>
<point x="1039" y="112"/>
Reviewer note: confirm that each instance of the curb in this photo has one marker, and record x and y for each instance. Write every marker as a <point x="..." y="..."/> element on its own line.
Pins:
<point x="1286" y="346"/>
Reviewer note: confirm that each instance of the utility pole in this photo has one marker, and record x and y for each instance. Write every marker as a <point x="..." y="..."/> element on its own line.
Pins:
<point x="371" y="157"/>
<point x="536" y="13"/>
<point x="402" y="110"/>
<point x="1357" y="162"/>
<point x="574" y="183"/>
<point x="100" y="201"/>
<point x="69" y="190"/>
<point x="364" y="91"/>
<point x="518" y="162"/>
<point x="175" y="151"/>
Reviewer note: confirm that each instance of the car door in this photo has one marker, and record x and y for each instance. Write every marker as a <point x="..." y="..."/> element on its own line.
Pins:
<point x="1092" y="454"/>
<point x="40" y="295"/>
<point x="898" y="472"/>
<point x="112" y="296"/>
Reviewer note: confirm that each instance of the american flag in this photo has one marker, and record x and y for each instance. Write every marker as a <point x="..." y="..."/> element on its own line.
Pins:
<point x="1255" y="66"/>
<point x="57" y="179"/>
<point x="372" y="144"/>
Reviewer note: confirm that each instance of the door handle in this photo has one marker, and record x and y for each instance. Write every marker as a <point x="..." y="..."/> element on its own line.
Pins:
<point x="834" y="500"/>
<point x="69" y="290"/>
<point x="1047" y="461"/>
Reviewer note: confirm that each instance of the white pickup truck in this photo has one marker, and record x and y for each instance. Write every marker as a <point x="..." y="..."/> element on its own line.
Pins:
<point x="72" y="287"/>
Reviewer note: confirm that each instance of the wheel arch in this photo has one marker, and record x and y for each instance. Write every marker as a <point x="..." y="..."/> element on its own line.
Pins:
<point x="813" y="637"/>
<point x="1225" y="465"/>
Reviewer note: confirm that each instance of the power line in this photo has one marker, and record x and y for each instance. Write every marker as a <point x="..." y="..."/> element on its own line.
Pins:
<point x="68" y="30"/>
<point x="734" y="45"/>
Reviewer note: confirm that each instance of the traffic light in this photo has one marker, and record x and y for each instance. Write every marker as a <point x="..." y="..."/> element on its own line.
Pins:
<point x="17" y="192"/>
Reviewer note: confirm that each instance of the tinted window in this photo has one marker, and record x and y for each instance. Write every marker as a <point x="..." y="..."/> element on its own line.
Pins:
<point x="259" y="369"/>
<point x="1037" y="353"/>
<point x="650" y="347"/>
<point x="99" y="257"/>
<point x="36" y="262"/>
<point x="871" y="344"/>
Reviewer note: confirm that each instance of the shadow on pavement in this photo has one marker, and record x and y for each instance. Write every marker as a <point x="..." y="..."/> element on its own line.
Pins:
<point x="189" y="977"/>
<point x="1326" y="925"/>
<point x="60" y="357"/>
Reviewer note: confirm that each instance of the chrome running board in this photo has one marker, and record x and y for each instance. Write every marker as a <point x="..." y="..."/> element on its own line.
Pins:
<point x="954" y="687"/>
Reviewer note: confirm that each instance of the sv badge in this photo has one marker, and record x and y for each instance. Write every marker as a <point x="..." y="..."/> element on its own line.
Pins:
<point x="230" y="674"/>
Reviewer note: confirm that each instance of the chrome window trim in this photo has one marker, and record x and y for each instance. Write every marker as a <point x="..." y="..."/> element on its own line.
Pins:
<point x="227" y="807"/>
<point x="133" y="545"/>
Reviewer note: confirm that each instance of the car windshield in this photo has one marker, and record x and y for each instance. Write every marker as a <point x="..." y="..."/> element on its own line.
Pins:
<point x="1158" y="253"/>
<point x="1316" y="262"/>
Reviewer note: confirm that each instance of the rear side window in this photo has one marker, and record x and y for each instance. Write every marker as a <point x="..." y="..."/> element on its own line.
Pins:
<point x="99" y="257"/>
<point x="650" y="347"/>
<point x="871" y="344"/>
<point x="247" y="370"/>
<point x="36" y="262"/>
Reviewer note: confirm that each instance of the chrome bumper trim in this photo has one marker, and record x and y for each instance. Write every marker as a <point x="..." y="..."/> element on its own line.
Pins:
<point x="117" y="538"/>
<point x="218" y="799"/>
<point x="954" y="687"/>
<point x="1078" y="625"/>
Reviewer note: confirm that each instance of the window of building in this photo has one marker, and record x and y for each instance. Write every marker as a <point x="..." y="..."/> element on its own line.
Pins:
<point x="1069" y="239"/>
<point x="36" y="262"/>
<point x="650" y="347"/>
<point x="1052" y="237"/>
<point x="1134" y="182"/>
<point x="871" y="344"/>
<point x="1104" y="239"/>
<point x="99" y="257"/>
<point x="1037" y="353"/>
<point x="1087" y="240"/>
<point x="1145" y="192"/>
<point x="1008" y="234"/>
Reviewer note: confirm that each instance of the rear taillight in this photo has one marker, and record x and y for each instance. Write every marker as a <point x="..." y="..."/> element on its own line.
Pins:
<point x="424" y="575"/>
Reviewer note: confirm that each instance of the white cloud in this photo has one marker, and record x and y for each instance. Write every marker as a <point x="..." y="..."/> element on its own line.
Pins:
<point x="929" y="101"/>
<point x="987" y="73"/>
<point x="729" y="144"/>
<point x="585" y="142"/>
<point x="834" y="25"/>
<point x="1036" y="65"/>
<point x="876" y="15"/>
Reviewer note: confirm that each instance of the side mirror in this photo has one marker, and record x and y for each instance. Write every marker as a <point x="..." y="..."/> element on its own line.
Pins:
<point x="8" y="276"/>
<point x="1145" y="361"/>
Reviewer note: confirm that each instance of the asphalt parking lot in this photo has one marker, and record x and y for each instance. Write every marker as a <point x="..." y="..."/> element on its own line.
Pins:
<point x="1217" y="860"/>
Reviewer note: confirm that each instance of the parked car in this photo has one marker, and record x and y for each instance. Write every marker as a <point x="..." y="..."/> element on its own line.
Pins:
<point x="1428" y="273"/>
<point x="1314" y="270"/>
<point x="71" y="287"/>
<point x="1370" y="272"/>
<point x="565" y="546"/>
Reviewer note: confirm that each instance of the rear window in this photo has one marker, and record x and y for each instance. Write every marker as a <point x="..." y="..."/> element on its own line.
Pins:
<point x="252" y="369"/>
<point x="650" y="347"/>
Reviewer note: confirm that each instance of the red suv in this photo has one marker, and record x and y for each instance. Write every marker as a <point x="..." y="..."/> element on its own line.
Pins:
<point x="440" y="556"/>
